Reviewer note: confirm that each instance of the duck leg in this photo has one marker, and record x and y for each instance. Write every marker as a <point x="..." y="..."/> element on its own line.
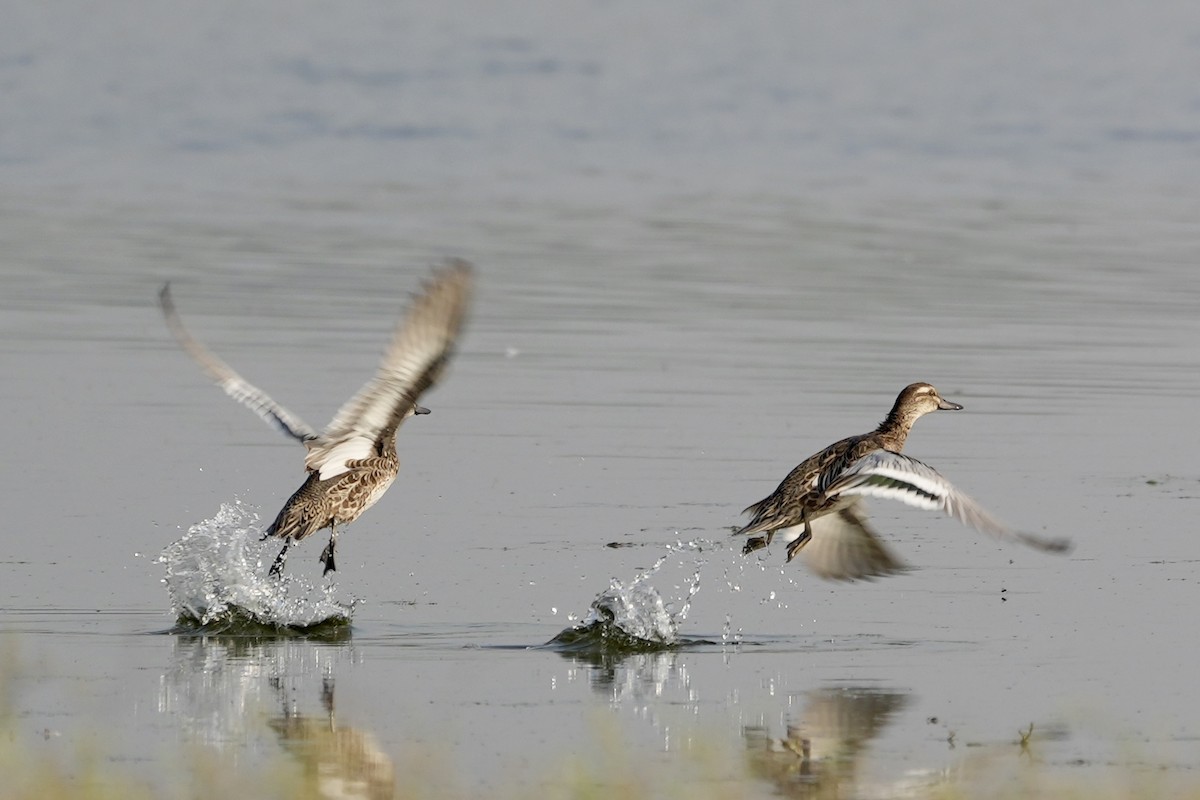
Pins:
<point x="803" y="539"/>
<point x="327" y="553"/>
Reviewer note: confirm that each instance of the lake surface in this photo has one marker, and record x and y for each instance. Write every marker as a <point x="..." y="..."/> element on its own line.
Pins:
<point x="710" y="240"/>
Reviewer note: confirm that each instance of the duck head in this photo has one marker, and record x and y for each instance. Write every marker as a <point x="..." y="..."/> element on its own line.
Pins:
<point x="918" y="399"/>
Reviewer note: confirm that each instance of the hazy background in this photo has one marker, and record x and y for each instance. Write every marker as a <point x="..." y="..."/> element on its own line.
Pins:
<point x="711" y="239"/>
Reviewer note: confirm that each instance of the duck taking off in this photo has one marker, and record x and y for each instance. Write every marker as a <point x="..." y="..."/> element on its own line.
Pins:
<point x="818" y="507"/>
<point x="353" y="461"/>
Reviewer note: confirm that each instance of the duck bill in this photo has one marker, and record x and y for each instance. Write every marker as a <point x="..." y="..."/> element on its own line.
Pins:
<point x="946" y="405"/>
<point x="424" y="410"/>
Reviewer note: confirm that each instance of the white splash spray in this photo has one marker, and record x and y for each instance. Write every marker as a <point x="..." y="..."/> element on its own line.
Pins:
<point x="216" y="575"/>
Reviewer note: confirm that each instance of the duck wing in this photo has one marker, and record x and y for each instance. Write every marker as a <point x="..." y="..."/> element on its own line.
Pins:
<point x="895" y="476"/>
<point x="839" y="722"/>
<point x="421" y="346"/>
<point x="232" y="383"/>
<point x="844" y="547"/>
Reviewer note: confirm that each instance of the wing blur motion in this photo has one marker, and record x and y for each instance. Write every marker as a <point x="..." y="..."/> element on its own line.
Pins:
<point x="895" y="476"/>
<point x="420" y="348"/>
<point x="232" y="383"/>
<point x="845" y="548"/>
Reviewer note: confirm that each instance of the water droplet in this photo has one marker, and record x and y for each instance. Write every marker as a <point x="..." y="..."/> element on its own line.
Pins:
<point x="214" y="572"/>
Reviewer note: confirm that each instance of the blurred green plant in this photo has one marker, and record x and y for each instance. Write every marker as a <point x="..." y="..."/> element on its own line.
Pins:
<point x="604" y="768"/>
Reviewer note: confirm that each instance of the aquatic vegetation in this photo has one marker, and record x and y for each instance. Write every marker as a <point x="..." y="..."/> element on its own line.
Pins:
<point x="633" y="617"/>
<point x="707" y="766"/>
<point x="623" y="619"/>
<point x="237" y="621"/>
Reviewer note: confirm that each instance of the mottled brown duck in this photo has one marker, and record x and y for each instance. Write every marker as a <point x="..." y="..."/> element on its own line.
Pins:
<point x="353" y="461"/>
<point x="818" y="509"/>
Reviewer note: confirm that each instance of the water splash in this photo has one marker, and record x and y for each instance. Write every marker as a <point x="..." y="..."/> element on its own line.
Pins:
<point x="728" y="634"/>
<point x="217" y="581"/>
<point x="633" y="617"/>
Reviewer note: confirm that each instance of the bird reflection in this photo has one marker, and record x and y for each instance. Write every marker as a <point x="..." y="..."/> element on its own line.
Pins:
<point x="634" y="677"/>
<point x="217" y="688"/>
<point x="338" y="761"/>
<point x="820" y="758"/>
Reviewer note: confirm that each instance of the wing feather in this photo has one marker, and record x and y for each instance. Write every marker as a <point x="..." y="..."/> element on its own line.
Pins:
<point x="895" y="476"/>
<point x="421" y="346"/>
<point x="844" y="547"/>
<point x="232" y="383"/>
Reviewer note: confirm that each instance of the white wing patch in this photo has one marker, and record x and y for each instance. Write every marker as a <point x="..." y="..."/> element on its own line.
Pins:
<point x="894" y="476"/>
<point x="332" y="460"/>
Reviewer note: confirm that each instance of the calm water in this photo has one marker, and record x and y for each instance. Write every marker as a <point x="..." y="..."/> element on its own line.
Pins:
<point x="711" y="239"/>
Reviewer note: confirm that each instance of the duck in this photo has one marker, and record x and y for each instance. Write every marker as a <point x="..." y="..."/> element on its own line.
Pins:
<point x="819" y="511"/>
<point x="353" y="461"/>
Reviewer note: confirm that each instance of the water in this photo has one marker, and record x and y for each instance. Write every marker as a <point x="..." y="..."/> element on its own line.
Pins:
<point x="217" y="581"/>
<point x="634" y="618"/>
<point x="710" y="240"/>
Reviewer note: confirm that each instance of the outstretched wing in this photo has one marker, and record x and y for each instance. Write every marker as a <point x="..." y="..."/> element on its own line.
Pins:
<point x="895" y="476"/>
<point x="844" y="547"/>
<point x="420" y="349"/>
<point x="234" y="385"/>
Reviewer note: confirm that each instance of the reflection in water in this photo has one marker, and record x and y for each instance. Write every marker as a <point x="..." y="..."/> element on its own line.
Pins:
<point x="338" y="761"/>
<point x="820" y="757"/>
<point x="653" y="688"/>
<point x="217" y="687"/>
<point x="635" y="678"/>
<point x="628" y="646"/>
<point x="220" y="687"/>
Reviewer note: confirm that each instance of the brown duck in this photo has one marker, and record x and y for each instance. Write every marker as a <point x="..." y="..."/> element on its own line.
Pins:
<point x="353" y="461"/>
<point x="818" y="507"/>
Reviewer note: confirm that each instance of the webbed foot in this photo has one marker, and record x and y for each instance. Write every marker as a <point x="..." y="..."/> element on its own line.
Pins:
<point x="277" y="566"/>
<point x="755" y="543"/>
<point x="327" y="558"/>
